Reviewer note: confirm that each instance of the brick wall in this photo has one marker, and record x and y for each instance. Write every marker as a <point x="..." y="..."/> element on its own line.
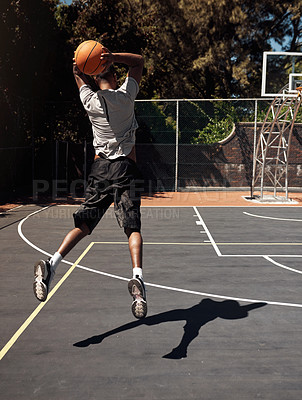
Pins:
<point x="238" y="153"/>
<point x="219" y="165"/>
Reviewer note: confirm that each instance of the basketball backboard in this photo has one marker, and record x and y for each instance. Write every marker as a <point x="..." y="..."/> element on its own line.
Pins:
<point x="280" y="69"/>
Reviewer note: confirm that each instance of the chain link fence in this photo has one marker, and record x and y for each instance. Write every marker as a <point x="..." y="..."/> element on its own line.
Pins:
<point x="188" y="144"/>
<point x="180" y="142"/>
<point x="16" y="146"/>
<point x="181" y="145"/>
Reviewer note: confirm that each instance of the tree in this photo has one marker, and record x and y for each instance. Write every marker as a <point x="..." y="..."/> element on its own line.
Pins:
<point x="120" y="25"/>
<point x="205" y="48"/>
<point x="28" y="46"/>
<point x="32" y="68"/>
<point x="192" y="48"/>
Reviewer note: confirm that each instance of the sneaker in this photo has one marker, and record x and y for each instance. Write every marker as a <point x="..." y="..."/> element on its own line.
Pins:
<point x="43" y="275"/>
<point x="137" y="290"/>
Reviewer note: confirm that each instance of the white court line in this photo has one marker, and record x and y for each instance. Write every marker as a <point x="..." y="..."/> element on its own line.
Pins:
<point x="218" y="252"/>
<point x="208" y="243"/>
<point x="282" y="266"/>
<point x="217" y="296"/>
<point x="201" y="222"/>
<point x="151" y="284"/>
<point x="263" y="255"/>
<point x="201" y="205"/>
<point x="275" y="218"/>
<point x="25" y="239"/>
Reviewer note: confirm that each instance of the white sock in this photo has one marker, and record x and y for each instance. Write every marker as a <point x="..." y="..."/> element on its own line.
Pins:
<point x="137" y="273"/>
<point x="55" y="260"/>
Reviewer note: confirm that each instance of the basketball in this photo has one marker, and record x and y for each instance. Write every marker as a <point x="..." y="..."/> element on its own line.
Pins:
<point x="87" y="57"/>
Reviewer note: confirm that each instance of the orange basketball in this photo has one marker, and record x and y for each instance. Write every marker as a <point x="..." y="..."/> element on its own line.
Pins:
<point x="87" y="57"/>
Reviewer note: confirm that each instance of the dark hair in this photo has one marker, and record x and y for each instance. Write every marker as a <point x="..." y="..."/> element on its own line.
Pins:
<point x="107" y="73"/>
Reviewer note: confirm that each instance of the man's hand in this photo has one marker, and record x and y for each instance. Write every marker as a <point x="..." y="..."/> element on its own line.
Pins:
<point x="76" y="70"/>
<point x="108" y="57"/>
<point x="135" y="62"/>
<point x="80" y="78"/>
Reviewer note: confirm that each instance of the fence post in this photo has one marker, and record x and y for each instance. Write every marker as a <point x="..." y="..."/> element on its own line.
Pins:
<point x="85" y="164"/>
<point x="176" y="146"/>
<point x="32" y="145"/>
<point x="66" y="166"/>
<point x="56" y="168"/>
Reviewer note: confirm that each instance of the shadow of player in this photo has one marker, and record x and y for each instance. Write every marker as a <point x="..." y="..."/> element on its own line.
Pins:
<point x="196" y="317"/>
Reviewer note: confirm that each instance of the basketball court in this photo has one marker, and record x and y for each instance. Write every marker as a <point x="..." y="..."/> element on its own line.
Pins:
<point x="223" y="280"/>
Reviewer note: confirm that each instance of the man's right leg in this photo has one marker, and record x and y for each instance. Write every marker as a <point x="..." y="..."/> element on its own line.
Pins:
<point x="72" y="238"/>
<point x="98" y="200"/>
<point x="44" y="271"/>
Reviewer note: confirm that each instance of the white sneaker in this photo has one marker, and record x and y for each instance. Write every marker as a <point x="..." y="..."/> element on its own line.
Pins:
<point x="43" y="275"/>
<point x="137" y="290"/>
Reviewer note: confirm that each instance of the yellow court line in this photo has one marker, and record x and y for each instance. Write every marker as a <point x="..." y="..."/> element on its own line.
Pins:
<point x="19" y="332"/>
<point x="260" y="244"/>
<point x="157" y="243"/>
<point x="257" y="244"/>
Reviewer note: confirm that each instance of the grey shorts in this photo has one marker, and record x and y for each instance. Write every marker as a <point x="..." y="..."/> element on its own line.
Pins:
<point x="112" y="181"/>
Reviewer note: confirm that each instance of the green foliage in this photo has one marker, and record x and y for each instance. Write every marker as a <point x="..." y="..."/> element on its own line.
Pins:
<point x="157" y="122"/>
<point x="299" y="116"/>
<point x="219" y="126"/>
<point x="265" y="112"/>
<point x="214" y="132"/>
<point x="211" y="49"/>
<point x="192" y="49"/>
<point x="28" y="48"/>
<point x="29" y="38"/>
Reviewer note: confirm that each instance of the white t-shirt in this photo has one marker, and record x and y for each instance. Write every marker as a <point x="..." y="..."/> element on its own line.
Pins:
<point x="111" y="113"/>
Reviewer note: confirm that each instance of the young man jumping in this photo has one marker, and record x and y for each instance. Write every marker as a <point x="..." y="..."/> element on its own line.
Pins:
<point x="114" y="176"/>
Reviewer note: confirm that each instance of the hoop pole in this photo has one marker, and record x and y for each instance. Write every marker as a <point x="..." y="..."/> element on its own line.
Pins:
<point x="254" y="148"/>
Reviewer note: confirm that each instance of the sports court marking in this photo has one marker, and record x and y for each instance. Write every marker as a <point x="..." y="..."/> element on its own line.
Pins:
<point x="211" y="242"/>
<point x="219" y="254"/>
<point x="204" y="294"/>
<point x="276" y="218"/>
<point x="201" y="222"/>
<point x="281" y="265"/>
<point x="33" y="315"/>
<point x="208" y="243"/>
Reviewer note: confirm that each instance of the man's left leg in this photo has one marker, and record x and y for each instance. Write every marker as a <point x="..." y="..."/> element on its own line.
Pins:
<point x="136" y="285"/>
<point x="44" y="271"/>
<point x="135" y="246"/>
